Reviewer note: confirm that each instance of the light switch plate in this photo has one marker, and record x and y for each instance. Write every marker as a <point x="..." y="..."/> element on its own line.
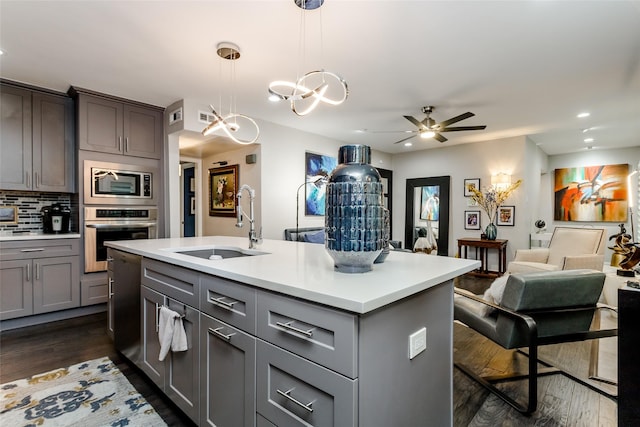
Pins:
<point x="417" y="342"/>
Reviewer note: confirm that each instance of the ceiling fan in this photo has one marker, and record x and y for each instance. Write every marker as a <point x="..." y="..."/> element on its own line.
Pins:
<point x="428" y="128"/>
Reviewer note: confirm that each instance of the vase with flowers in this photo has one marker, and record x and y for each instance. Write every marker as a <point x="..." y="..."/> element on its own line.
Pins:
<point x="490" y="199"/>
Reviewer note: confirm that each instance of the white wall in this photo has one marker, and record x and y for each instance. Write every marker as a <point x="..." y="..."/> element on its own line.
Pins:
<point x="283" y="171"/>
<point x="629" y="156"/>
<point x="478" y="160"/>
<point x="249" y="174"/>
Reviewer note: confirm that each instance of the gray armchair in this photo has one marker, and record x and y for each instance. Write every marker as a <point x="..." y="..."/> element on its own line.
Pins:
<point x="535" y="309"/>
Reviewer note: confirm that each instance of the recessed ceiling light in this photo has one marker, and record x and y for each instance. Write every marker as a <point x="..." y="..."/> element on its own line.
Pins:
<point x="583" y="115"/>
<point x="588" y="140"/>
<point x="1" y="52"/>
<point x="408" y="144"/>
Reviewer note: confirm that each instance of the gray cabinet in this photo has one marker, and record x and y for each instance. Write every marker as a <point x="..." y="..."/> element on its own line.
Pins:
<point x="116" y="126"/>
<point x="227" y="375"/>
<point x="38" y="277"/>
<point x="37" y="144"/>
<point x="268" y="359"/>
<point x="178" y="374"/>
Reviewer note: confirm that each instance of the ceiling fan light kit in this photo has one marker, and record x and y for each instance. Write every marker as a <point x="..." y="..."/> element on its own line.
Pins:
<point x="428" y="128"/>
<point x="308" y="91"/>
<point x="229" y="123"/>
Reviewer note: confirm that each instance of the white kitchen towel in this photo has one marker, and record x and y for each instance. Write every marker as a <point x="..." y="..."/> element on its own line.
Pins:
<point x="170" y="329"/>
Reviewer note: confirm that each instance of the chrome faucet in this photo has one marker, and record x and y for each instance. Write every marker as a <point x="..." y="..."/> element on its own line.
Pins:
<point x="253" y="238"/>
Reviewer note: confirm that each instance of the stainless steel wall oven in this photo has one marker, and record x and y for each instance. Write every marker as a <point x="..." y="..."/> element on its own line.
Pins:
<point x="102" y="224"/>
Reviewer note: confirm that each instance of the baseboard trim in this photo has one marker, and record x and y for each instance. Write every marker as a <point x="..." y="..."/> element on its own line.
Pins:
<point x="38" y="319"/>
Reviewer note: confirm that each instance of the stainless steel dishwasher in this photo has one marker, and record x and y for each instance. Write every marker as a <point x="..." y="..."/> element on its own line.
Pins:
<point x="124" y="271"/>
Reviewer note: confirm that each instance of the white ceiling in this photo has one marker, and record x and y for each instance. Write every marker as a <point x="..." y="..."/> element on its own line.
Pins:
<point x="523" y="67"/>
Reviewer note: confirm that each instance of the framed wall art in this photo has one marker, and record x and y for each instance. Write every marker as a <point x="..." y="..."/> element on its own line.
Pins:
<point x="474" y="182"/>
<point x="317" y="169"/>
<point x="8" y="215"/>
<point x="592" y="193"/>
<point x="430" y="202"/>
<point x="472" y="220"/>
<point x="223" y="187"/>
<point x="506" y="215"/>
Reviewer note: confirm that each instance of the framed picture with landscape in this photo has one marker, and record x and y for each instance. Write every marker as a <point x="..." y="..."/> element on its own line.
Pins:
<point x="223" y="187"/>
<point x="8" y="215"/>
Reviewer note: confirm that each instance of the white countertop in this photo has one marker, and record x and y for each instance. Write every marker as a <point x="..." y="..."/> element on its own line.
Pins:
<point x="305" y="270"/>
<point x="8" y="236"/>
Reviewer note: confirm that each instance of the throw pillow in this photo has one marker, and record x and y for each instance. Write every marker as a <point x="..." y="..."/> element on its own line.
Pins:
<point x="494" y="293"/>
<point x="314" y="237"/>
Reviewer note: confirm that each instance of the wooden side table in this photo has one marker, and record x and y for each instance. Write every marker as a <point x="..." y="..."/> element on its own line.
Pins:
<point x="484" y="245"/>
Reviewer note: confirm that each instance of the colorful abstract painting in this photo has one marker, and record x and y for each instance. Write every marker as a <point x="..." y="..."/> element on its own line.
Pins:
<point x="318" y="167"/>
<point x="593" y="193"/>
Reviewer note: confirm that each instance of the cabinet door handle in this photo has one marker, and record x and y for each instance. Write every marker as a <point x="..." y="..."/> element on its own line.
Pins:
<point x="119" y="143"/>
<point x="220" y="302"/>
<point x="32" y="250"/>
<point x="287" y="394"/>
<point x="157" y="317"/>
<point x="219" y="334"/>
<point x="289" y="327"/>
<point x="110" y="285"/>
<point x="36" y="180"/>
<point x="109" y="259"/>
<point x="27" y="179"/>
<point x="37" y="271"/>
<point x="28" y="272"/>
<point x="126" y="144"/>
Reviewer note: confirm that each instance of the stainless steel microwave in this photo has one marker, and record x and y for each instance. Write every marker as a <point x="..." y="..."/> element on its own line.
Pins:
<point x="112" y="183"/>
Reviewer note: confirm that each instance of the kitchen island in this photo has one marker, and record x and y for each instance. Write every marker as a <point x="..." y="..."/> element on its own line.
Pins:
<point x="311" y="346"/>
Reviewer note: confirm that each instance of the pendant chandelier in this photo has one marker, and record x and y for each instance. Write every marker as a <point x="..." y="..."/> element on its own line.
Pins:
<point x="313" y="87"/>
<point x="238" y="127"/>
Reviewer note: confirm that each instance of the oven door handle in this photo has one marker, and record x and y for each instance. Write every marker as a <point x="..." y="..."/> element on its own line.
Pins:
<point x="130" y="225"/>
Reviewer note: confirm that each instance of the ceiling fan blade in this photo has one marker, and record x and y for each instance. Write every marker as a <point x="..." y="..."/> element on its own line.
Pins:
<point x="415" y="122"/>
<point x="391" y="131"/>
<point x="439" y="137"/>
<point x="402" y="140"/>
<point x="459" y="128"/>
<point x="455" y="119"/>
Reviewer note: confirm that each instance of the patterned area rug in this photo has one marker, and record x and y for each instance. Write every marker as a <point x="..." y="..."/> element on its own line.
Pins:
<point x="93" y="393"/>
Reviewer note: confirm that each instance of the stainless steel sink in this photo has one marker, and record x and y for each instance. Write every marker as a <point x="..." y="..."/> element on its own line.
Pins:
<point x="217" y="252"/>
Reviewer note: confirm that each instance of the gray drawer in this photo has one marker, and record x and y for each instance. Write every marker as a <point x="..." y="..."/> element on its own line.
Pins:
<point x="176" y="282"/>
<point x="317" y="333"/>
<point x="292" y="391"/>
<point x="229" y="301"/>
<point x="29" y="249"/>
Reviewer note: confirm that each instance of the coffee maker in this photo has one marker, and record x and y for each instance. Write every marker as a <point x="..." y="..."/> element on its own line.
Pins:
<point x="55" y="219"/>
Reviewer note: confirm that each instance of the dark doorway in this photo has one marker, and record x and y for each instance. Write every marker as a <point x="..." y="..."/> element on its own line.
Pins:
<point x="188" y="213"/>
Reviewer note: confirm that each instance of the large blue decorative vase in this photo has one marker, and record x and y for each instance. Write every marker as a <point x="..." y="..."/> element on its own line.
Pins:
<point x="354" y="216"/>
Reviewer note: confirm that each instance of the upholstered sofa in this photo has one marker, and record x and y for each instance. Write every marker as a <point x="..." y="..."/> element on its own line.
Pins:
<point x="570" y="248"/>
<point x="305" y="234"/>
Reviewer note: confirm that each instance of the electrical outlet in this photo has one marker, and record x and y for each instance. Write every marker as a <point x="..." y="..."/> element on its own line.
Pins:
<point x="417" y="342"/>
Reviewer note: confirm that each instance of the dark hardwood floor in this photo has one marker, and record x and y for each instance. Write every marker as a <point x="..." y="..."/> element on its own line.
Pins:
<point x="35" y="349"/>
<point x="562" y="401"/>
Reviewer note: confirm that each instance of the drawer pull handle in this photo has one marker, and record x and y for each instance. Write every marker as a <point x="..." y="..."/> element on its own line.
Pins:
<point x="219" y="334"/>
<point x="32" y="250"/>
<point x="110" y="291"/>
<point x="287" y="394"/>
<point x="222" y="303"/>
<point x="289" y="327"/>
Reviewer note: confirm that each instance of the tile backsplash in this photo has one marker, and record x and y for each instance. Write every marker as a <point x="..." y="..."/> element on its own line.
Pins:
<point x="29" y="205"/>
